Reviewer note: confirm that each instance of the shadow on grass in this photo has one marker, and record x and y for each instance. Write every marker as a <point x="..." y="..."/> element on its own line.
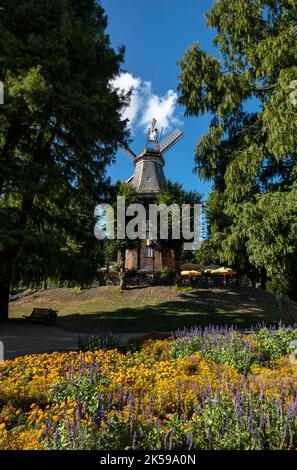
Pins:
<point x="194" y="308"/>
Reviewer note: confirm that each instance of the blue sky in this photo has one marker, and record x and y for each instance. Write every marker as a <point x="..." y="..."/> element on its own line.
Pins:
<point x="156" y="34"/>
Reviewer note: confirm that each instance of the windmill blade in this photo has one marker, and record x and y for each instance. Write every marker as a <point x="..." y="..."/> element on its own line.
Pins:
<point x="128" y="150"/>
<point x="129" y="180"/>
<point x="169" y="141"/>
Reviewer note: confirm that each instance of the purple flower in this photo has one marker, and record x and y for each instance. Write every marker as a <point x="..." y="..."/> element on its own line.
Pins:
<point x="48" y="424"/>
<point x="262" y="418"/>
<point x="56" y="438"/>
<point x="134" y="438"/>
<point x="79" y="408"/>
<point x="56" y="389"/>
<point x="283" y="433"/>
<point x="268" y="420"/>
<point x="100" y="412"/>
<point x="227" y="421"/>
<point x="190" y="441"/>
<point x="222" y="431"/>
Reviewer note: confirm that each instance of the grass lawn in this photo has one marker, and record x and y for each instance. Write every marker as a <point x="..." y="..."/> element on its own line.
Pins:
<point x="155" y="308"/>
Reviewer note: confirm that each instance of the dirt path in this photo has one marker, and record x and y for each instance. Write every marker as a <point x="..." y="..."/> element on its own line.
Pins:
<point x="23" y="339"/>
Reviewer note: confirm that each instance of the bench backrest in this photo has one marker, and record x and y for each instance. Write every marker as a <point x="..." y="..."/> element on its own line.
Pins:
<point x="43" y="312"/>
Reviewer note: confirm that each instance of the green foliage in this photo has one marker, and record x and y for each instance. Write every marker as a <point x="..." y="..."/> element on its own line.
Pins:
<point x="273" y="344"/>
<point x="109" y="400"/>
<point x="118" y="291"/>
<point x="249" y="154"/>
<point x="184" y="347"/>
<point x="59" y="129"/>
<point x="174" y="194"/>
<point x="206" y="254"/>
<point x="221" y="423"/>
<point x="238" y="413"/>
<point x="167" y="275"/>
<point x="261" y="428"/>
<point x="233" y="350"/>
<point x="77" y="291"/>
<point x="116" y="267"/>
<point x="83" y="387"/>
<point x="241" y="352"/>
<point x="178" y="288"/>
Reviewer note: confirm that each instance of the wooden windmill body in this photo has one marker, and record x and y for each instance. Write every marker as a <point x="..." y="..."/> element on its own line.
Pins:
<point x="148" y="180"/>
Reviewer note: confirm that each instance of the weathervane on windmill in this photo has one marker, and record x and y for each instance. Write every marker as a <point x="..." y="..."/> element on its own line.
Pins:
<point x="153" y="136"/>
<point x="148" y="180"/>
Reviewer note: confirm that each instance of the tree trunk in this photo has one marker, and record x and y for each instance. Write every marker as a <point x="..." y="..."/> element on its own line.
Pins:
<point x="178" y="262"/>
<point x="106" y="276"/>
<point x="263" y="278"/>
<point x="4" y="300"/>
<point x="253" y="278"/>
<point x="122" y="260"/>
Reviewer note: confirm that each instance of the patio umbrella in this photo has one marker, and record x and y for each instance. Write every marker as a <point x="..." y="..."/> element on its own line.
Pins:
<point x="223" y="271"/>
<point x="190" y="273"/>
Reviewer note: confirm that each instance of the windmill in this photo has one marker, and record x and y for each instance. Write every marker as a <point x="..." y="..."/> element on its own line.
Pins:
<point x="148" y="178"/>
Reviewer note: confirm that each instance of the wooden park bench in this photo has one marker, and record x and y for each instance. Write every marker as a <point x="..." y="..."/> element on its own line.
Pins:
<point x="42" y="315"/>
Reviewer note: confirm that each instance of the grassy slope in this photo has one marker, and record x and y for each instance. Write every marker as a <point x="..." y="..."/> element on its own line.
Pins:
<point x="155" y="308"/>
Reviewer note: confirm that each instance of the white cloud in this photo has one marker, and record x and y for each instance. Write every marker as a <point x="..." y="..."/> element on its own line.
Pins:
<point x="144" y="105"/>
<point x="162" y="108"/>
<point x="125" y="83"/>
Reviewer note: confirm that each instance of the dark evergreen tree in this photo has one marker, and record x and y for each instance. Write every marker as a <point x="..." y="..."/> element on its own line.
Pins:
<point x="59" y="129"/>
<point x="250" y="155"/>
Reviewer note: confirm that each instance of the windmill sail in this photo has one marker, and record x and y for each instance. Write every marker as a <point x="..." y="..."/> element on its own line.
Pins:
<point x="128" y="150"/>
<point x="169" y="141"/>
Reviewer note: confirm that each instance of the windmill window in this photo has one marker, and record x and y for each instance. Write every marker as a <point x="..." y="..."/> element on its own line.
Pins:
<point x="148" y="253"/>
<point x="149" y="179"/>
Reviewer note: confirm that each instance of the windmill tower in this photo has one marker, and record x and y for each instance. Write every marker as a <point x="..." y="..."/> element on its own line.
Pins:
<point x="148" y="179"/>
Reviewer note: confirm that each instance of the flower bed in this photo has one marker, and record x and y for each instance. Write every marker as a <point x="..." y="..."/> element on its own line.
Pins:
<point x="202" y="389"/>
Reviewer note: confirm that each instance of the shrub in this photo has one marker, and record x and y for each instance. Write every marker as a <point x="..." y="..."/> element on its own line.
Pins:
<point x="118" y="291"/>
<point x="274" y="343"/>
<point x="167" y="275"/>
<point x="239" y="351"/>
<point x="116" y="267"/>
<point x="77" y="291"/>
<point x="177" y="288"/>
<point x="233" y="350"/>
<point x="95" y="342"/>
